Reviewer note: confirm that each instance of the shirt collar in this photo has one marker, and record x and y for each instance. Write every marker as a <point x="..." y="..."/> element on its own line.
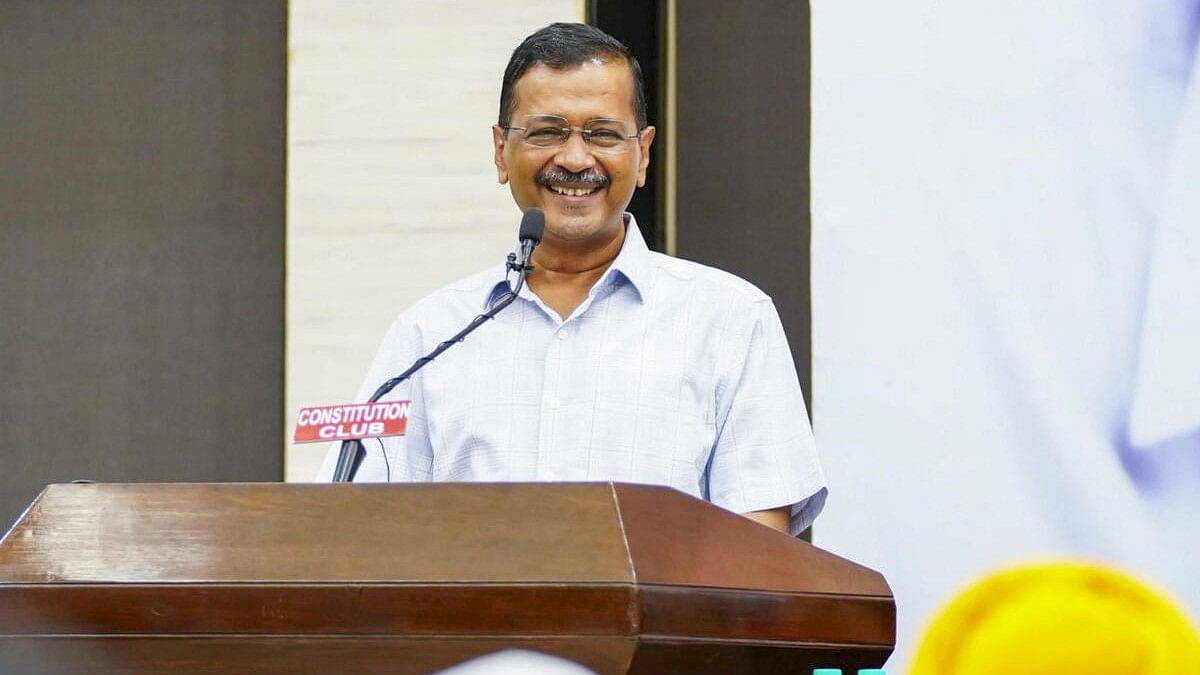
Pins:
<point x="631" y="263"/>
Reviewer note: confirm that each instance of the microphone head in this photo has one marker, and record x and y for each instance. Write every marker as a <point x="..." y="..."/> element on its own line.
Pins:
<point x="533" y="225"/>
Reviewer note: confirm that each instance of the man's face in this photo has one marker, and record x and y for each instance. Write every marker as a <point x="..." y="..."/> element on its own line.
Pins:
<point x="582" y="188"/>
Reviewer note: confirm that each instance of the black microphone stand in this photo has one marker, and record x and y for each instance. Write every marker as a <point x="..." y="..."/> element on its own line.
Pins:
<point x="352" y="452"/>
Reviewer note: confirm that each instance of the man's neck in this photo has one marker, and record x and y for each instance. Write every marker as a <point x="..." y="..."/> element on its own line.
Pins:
<point x="563" y="272"/>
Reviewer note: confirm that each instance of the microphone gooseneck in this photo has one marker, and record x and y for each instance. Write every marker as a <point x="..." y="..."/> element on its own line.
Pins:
<point x="533" y="226"/>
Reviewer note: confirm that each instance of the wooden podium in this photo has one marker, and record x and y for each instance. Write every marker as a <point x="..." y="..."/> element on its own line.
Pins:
<point x="299" y="578"/>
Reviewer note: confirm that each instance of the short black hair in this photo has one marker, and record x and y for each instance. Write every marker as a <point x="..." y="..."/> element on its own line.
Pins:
<point x="563" y="45"/>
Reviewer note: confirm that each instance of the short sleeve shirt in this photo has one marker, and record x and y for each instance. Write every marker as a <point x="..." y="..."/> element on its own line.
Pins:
<point x="669" y="373"/>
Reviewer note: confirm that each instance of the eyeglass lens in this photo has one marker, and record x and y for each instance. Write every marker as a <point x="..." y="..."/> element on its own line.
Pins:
<point x="550" y="130"/>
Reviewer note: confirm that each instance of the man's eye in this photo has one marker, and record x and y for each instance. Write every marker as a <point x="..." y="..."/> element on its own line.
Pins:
<point x="544" y="133"/>
<point x="606" y="137"/>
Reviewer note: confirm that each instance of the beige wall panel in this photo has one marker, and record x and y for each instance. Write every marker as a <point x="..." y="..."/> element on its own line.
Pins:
<point x="391" y="188"/>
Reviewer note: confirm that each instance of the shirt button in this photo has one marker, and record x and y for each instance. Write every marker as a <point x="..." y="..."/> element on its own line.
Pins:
<point x="562" y="335"/>
<point x="555" y="402"/>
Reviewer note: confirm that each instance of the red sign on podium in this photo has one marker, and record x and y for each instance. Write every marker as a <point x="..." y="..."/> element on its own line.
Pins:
<point x="357" y="420"/>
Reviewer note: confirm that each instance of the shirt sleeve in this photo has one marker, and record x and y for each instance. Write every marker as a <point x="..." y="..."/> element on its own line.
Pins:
<point x="393" y="459"/>
<point x="764" y="456"/>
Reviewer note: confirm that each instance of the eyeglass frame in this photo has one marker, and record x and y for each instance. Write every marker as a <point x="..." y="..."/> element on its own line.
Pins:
<point x="585" y="133"/>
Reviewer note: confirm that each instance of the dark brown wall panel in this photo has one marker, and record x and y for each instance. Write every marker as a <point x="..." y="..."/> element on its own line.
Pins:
<point x="141" y="242"/>
<point x="640" y="25"/>
<point x="742" y="133"/>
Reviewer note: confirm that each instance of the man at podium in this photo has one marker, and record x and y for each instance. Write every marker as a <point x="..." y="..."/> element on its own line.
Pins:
<point x="614" y="363"/>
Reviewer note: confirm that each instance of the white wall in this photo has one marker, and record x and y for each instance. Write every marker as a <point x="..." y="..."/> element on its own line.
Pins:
<point x="391" y="188"/>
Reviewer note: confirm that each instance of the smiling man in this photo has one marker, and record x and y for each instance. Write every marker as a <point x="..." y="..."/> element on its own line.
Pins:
<point x="615" y="363"/>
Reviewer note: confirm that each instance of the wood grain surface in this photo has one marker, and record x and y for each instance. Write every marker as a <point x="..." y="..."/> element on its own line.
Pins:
<point x="264" y="578"/>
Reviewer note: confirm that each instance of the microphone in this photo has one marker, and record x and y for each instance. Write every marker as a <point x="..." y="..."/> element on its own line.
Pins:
<point x="533" y="226"/>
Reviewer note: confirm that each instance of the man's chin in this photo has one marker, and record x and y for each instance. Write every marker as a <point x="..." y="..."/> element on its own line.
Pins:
<point x="574" y="227"/>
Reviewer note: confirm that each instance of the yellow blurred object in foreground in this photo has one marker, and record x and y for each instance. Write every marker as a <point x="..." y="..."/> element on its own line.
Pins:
<point x="1059" y="619"/>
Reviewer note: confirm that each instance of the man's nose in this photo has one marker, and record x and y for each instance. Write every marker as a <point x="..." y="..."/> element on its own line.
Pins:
<point x="575" y="155"/>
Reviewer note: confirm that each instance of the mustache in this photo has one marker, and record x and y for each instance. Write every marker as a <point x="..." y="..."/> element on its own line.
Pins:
<point x="590" y="177"/>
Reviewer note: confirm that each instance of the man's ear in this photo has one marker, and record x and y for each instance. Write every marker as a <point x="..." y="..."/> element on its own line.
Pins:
<point x="644" y="141"/>
<point x="498" y="141"/>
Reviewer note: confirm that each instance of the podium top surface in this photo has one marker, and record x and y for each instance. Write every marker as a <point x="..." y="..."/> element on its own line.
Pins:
<point x="264" y="578"/>
<point x="448" y="533"/>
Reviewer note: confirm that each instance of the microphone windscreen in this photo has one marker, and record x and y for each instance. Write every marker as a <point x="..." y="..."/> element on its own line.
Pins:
<point x="533" y="225"/>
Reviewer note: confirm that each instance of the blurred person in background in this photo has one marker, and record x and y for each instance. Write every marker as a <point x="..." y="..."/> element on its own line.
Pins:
<point x="1006" y="289"/>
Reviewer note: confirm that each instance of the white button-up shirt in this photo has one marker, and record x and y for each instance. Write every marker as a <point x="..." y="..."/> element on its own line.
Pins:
<point x="669" y="373"/>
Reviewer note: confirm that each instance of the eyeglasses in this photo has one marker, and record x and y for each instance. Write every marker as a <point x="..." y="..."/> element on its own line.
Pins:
<point x="552" y="131"/>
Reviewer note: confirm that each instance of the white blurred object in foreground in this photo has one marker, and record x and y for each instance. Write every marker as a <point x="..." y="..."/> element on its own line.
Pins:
<point x="518" y="662"/>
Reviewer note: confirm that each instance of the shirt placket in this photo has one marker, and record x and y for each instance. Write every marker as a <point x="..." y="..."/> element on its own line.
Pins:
<point x="554" y="395"/>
